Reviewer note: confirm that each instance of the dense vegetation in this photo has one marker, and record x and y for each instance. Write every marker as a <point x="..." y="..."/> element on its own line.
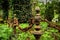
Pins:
<point x="5" y="32"/>
<point x="52" y="9"/>
<point x="49" y="33"/>
<point x="23" y="9"/>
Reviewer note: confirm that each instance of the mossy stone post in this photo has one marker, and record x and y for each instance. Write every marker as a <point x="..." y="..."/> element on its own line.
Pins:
<point x="37" y="33"/>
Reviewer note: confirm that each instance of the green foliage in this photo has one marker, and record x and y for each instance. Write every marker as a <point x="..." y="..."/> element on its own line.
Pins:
<point x="43" y="25"/>
<point x="42" y="8"/>
<point x="47" y="36"/>
<point x="49" y="32"/>
<point x="59" y="17"/>
<point x="5" y="7"/>
<point x="25" y="35"/>
<point x="49" y="12"/>
<point x="23" y="9"/>
<point x="50" y="7"/>
<point x="24" y="25"/>
<point x="5" y="32"/>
